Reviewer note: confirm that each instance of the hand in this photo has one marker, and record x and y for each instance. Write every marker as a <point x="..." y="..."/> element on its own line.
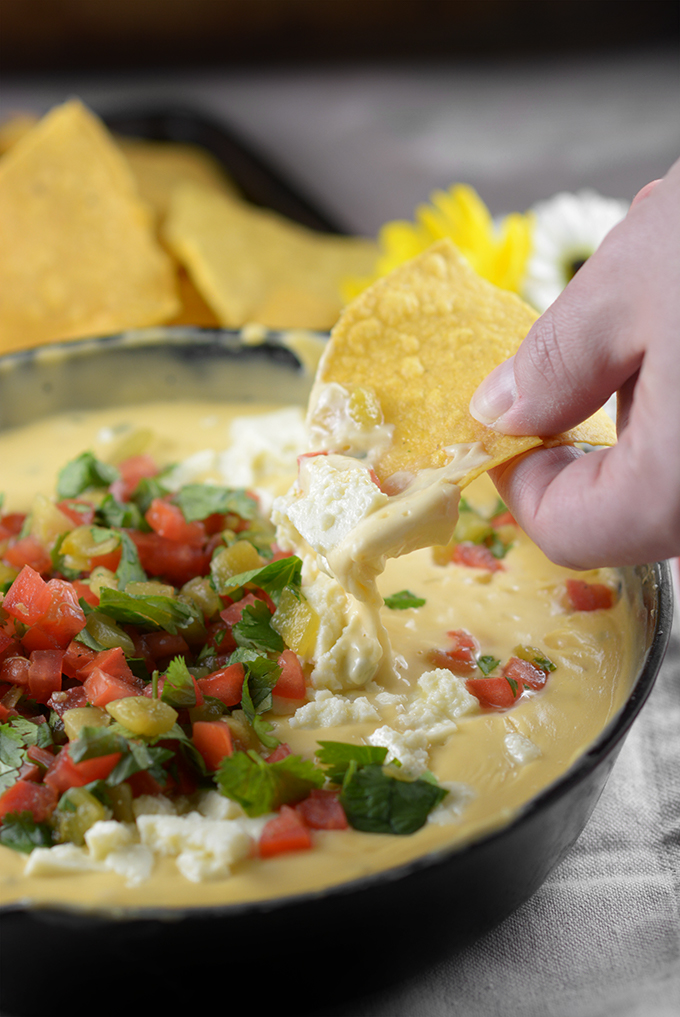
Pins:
<point x="615" y="328"/>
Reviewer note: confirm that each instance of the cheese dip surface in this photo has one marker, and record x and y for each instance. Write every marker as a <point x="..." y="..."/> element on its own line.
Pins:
<point x="414" y="691"/>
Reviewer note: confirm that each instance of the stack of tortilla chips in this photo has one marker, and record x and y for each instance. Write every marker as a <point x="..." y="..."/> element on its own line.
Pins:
<point x="99" y="235"/>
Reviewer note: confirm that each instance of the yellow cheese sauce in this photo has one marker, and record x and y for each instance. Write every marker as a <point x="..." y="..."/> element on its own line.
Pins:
<point x="523" y="604"/>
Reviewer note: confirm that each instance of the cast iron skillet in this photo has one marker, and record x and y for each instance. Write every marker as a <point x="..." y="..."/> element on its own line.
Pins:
<point x="293" y="955"/>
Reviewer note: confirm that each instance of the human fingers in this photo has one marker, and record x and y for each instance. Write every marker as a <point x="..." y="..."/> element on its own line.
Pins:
<point x="592" y="339"/>
<point x="619" y="506"/>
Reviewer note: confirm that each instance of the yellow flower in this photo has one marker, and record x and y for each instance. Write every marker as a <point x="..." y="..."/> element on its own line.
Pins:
<point x="498" y="253"/>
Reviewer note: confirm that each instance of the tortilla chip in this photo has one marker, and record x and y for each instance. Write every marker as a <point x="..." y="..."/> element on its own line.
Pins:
<point x="159" y="167"/>
<point x="14" y="128"/>
<point x="254" y="266"/>
<point x="423" y="338"/>
<point x="194" y="310"/>
<point x="78" y="255"/>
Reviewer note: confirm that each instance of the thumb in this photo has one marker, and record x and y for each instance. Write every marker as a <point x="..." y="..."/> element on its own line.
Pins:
<point x="580" y="351"/>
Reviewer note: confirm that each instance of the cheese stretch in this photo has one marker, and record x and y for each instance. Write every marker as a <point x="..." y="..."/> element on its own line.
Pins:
<point x="370" y="676"/>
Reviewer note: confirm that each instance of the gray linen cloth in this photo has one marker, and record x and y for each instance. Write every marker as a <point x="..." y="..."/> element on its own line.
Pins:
<point x="602" y="935"/>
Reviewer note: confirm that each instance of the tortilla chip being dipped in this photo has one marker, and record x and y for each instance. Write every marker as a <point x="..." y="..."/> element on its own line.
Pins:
<point x="422" y="339"/>
<point x="252" y="265"/>
<point x="78" y="255"/>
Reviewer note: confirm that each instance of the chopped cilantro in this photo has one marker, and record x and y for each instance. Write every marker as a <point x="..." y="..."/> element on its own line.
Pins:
<point x="82" y="473"/>
<point x="121" y="513"/>
<point x="20" y="832"/>
<point x="376" y="802"/>
<point x="273" y="577"/>
<point x="337" y="757"/>
<point x="260" y="787"/>
<point x="156" y="612"/>
<point x="487" y="664"/>
<point x="254" y="630"/>
<point x="402" y="600"/>
<point x="178" y="688"/>
<point x="198" y="501"/>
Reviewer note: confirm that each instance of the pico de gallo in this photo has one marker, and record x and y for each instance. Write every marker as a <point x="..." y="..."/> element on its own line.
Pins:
<point x="146" y="636"/>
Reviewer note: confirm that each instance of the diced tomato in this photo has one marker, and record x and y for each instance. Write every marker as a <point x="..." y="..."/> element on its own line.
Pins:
<point x="322" y="810"/>
<point x="6" y="641"/>
<point x="213" y="740"/>
<point x="278" y="554"/>
<point x="231" y="615"/>
<point x="214" y="523"/>
<point x="142" y="783"/>
<point x="64" y="773"/>
<point x="285" y="832"/>
<point x="109" y="561"/>
<point x="79" y="511"/>
<point x="225" y="684"/>
<point x="168" y="521"/>
<point x="460" y="658"/>
<point x="28" y="551"/>
<point x="291" y="682"/>
<point x="112" y="662"/>
<point x="588" y="596"/>
<point x="15" y="670"/>
<point x="12" y="523"/>
<point x="102" y="688"/>
<point x="28" y="598"/>
<point x="75" y="658"/>
<point x="43" y="757"/>
<point x="497" y="693"/>
<point x="526" y="673"/>
<point x="68" y="699"/>
<point x="27" y="796"/>
<point x="85" y="592"/>
<point x="168" y="559"/>
<point x="476" y="556"/>
<point x="280" y="752"/>
<point x="64" y="617"/>
<point x="164" y="644"/>
<point x="503" y="519"/>
<point x="132" y="470"/>
<point x="44" y="674"/>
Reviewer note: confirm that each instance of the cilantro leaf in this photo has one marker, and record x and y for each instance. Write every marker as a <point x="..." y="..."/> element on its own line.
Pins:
<point x="20" y="832"/>
<point x="120" y="513"/>
<point x="261" y="787"/>
<point x="272" y="577"/>
<point x="487" y="663"/>
<point x="376" y="802"/>
<point x="83" y="472"/>
<point x="178" y="688"/>
<point x="96" y="741"/>
<point x="129" y="568"/>
<point x="198" y="501"/>
<point x="339" y="756"/>
<point x="402" y="600"/>
<point x="254" y="630"/>
<point x="156" y="612"/>
<point x="147" y="489"/>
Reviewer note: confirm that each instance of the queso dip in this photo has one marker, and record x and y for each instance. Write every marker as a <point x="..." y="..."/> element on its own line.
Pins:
<point x="490" y="761"/>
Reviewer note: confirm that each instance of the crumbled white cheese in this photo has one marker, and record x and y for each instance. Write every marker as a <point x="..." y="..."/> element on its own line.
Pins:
<point x="60" y="860"/>
<point x="453" y="806"/>
<point x="108" y="835"/>
<point x="333" y="494"/>
<point x="328" y="710"/>
<point x="116" y="845"/>
<point x="440" y="700"/>
<point x="153" y="805"/>
<point x="203" y="848"/>
<point x="213" y="805"/>
<point x="521" y="749"/>
<point x="410" y="748"/>
<point x="263" y="446"/>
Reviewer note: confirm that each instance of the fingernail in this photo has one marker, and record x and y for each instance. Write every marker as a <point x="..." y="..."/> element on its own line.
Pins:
<point x="495" y="395"/>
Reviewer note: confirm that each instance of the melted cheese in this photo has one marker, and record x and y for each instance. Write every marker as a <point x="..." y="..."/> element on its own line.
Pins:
<point x="493" y="762"/>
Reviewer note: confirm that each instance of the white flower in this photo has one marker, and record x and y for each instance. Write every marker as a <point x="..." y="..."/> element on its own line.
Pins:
<point x="568" y="228"/>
